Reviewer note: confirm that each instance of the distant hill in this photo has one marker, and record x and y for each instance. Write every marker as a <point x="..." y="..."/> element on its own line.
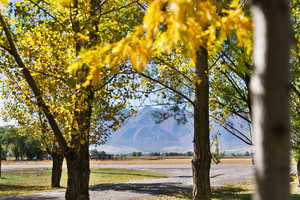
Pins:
<point x="141" y="133"/>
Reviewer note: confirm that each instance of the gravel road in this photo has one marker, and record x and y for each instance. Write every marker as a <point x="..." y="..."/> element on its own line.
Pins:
<point x="180" y="180"/>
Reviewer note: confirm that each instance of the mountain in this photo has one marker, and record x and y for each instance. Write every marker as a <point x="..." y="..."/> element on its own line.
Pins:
<point x="142" y="133"/>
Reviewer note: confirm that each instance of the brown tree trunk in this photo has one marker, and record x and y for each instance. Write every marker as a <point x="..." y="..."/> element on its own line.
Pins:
<point x="0" y="161"/>
<point x="78" y="173"/>
<point x="57" y="162"/>
<point x="77" y="158"/>
<point x="202" y="157"/>
<point x="298" y="172"/>
<point x="269" y="88"/>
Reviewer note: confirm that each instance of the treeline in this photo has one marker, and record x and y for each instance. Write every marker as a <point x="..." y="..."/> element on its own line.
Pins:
<point x="137" y="154"/>
<point x="102" y="155"/>
<point x="21" y="146"/>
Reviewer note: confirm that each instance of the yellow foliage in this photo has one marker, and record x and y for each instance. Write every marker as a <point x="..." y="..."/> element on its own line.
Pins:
<point x="83" y="37"/>
<point x="167" y="25"/>
<point x="47" y="48"/>
<point x="4" y="2"/>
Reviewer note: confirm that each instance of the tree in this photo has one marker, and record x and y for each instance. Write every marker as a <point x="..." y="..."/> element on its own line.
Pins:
<point x="295" y="85"/>
<point x="230" y="91"/>
<point x="19" y="144"/>
<point x="269" y="88"/>
<point x="197" y="29"/>
<point x="3" y="152"/>
<point x="70" y="112"/>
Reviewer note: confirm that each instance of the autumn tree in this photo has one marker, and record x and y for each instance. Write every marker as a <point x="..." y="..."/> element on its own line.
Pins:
<point x="295" y="84"/>
<point x="295" y="117"/>
<point x="273" y="60"/>
<point x="230" y="99"/>
<point x="198" y="30"/>
<point x="76" y="113"/>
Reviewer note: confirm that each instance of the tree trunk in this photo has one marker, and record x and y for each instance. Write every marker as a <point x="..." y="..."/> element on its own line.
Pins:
<point x="0" y="161"/>
<point x="57" y="162"/>
<point x="298" y="172"/>
<point x="202" y="157"/>
<point x="78" y="158"/>
<point x="269" y="88"/>
<point x="78" y="173"/>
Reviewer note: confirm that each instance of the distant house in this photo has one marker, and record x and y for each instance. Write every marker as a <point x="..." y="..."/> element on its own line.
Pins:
<point x="102" y="155"/>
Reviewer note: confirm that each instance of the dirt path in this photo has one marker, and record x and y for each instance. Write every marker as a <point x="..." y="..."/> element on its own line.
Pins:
<point x="180" y="180"/>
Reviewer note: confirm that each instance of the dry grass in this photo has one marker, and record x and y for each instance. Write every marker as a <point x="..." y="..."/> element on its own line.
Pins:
<point x="139" y="161"/>
<point x="143" y="161"/>
<point x="241" y="161"/>
<point x="25" y="162"/>
<point x="169" y="161"/>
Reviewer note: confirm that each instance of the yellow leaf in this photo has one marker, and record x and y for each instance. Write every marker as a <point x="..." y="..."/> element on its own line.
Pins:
<point x="4" y="2"/>
<point x="82" y="141"/>
<point x="34" y="74"/>
<point x="83" y="37"/>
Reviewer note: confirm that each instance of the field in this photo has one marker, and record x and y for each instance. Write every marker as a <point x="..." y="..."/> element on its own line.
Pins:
<point x="141" y="160"/>
<point x="38" y="180"/>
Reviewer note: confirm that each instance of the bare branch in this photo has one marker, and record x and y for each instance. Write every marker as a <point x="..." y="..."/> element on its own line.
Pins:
<point x="168" y="87"/>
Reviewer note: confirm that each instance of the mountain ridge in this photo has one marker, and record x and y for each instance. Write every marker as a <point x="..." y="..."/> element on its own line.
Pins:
<point x="142" y="133"/>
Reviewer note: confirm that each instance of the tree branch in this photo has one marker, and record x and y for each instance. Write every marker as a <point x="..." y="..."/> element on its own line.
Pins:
<point x="49" y="14"/>
<point x="235" y="86"/>
<point x="117" y="9"/>
<point x="168" y="87"/>
<point x="31" y="82"/>
<point x="297" y="92"/>
<point x="241" y="135"/>
<point x="233" y="111"/>
<point x="174" y="68"/>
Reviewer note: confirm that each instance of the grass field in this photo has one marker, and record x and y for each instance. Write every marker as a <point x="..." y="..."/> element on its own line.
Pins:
<point x="38" y="180"/>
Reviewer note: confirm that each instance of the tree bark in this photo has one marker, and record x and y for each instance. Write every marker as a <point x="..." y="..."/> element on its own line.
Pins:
<point x="57" y="162"/>
<point x="78" y="164"/>
<point x="78" y="158"/>
<point x="269" y="88"/>
<point x="298" y="172"/>
<point x="202" y="157"/>
<point x="78" y="173"/>
<point x="0" y="161"/>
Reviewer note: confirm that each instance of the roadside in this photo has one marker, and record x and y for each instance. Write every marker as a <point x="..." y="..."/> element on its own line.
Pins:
<point x="129" y="163"/>
<point x="179" y="181"/>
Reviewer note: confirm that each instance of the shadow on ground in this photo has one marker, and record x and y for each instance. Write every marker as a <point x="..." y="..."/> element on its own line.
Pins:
<point x="125" y="173"/>
<point x="24" y="189"/>
<point x="4" y="187"/>
<point x="170" y="189"/>
<point x="29" y="197"/>
<point x="35" y="197"/>
<point x="173" y="189"/>
<point x="145" y="188"/>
